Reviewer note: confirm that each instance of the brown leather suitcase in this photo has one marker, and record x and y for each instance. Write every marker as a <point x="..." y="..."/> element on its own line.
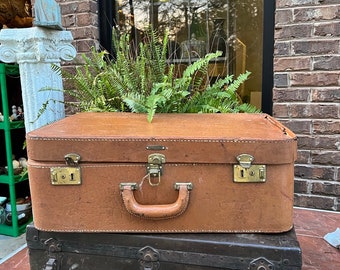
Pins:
<point x="115" y="172"/>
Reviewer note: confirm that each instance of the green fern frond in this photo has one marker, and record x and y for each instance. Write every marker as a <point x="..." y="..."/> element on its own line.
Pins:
<point x="146" y="83"/>
<point x="135" y="102"/>
<point x="249" y="108"/>
<point x="239" y="80"/>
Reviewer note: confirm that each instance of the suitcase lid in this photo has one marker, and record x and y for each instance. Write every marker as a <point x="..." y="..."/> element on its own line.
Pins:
<point x="182" y="138"/>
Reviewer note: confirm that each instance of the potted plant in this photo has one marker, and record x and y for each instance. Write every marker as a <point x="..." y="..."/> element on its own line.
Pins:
<point x="145" y="82"/>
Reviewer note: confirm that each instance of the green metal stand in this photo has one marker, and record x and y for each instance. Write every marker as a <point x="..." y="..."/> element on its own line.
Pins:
<point x="10" y="179"/>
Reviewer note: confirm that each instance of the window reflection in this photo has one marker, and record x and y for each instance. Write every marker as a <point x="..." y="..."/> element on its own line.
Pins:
<point x="197" y="27"/>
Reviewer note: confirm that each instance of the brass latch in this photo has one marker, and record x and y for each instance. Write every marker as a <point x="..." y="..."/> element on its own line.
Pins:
<point x="154" y="167"/>
<point x="246" y="172"/>
<point x="69" y="175"/>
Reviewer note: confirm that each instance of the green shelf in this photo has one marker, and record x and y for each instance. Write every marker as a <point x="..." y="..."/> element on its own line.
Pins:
<point x="5" y="179"/>
<point x="10" y="178"/>
<point x="13" y="125"/>
<point x="11" y="231"/>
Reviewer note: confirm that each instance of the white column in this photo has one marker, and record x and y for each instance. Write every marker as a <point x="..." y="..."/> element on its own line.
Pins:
<point x="35" y="49"/>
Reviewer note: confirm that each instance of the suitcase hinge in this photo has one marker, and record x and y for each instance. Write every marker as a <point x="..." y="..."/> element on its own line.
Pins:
<point x="148" y="258"/>
<point x="246" y="172"/>
<point x="154" y="167"/>
<point x="69" y="175"/>
<point x="53" y="248"/>
<point x="261" y="264"/>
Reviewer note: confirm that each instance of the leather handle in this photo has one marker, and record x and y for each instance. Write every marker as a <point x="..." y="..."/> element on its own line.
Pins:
<point x="160" y="211"/>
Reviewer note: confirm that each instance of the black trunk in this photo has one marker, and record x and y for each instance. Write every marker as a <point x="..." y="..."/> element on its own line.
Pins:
<point x="51" y="250"/>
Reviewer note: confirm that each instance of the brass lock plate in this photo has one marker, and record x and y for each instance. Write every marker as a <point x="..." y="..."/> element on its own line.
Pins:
<point x="246" y="172"/>
<point x="65" y="176"/>
<point x="256" y="173"/>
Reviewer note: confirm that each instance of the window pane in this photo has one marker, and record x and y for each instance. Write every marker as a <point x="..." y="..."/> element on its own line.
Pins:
<point x="197" y="27"/>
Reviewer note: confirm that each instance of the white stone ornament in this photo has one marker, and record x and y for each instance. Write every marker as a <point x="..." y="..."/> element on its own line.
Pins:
<point x="36" y="49"/>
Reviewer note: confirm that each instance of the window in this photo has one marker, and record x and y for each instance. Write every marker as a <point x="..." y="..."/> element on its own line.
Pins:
<point x="241" y="29"/>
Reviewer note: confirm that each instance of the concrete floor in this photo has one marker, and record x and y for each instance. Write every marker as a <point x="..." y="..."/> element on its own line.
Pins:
<point x="11" y="245"/>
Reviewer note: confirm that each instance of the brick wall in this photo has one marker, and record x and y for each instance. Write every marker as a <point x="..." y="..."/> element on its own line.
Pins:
<point x="306" y="95"/>
<point x="81" y="18"/>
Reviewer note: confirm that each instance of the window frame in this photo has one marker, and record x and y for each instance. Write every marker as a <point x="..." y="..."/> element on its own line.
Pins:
<point x="268" y="56"/>
<point x="107" y="12"/>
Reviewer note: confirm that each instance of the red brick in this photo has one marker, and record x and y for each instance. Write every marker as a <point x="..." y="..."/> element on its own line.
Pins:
<point x="316" y="201"/>
<point x="85" y="45"/>
<point x="291" y="95"/>
<point x="327" y="126"/>
<point x="327" y="29"/>
<point x="292" y="64"/>
<point x="320" y="46"/>
<point x="298" y="126"/>
<point x="303" y="156"/>
<point x="293" y="3"/>
<point x="72" y="7"/>
<point x="280" y="110"/>
<point x="316" y="13"/>
<point x="326" y="188"/>
<point x="69" y="21"/>
<point x="308" y="110"/>
<point x="326" y="95"/>
<point x="293" y="31"/>
<point x="325" y="142"/>
<point x="68" y="8"/>
<point x="325" y="157"/>
<point x="300" y="186"/>
<point x="314" y="79"/>
<point x="328" y="2"/>
<point x="282" y="48"/>
<point x="326" y="62"/>
<point x="84" y="7"/>
<point x="85" y="33"/>
<point x="83" y="19"/>
<point x="281" y="79"/>
<point x="283" y="16"/>
<point x="337" y="175"/>
<point x="315" y="172"/>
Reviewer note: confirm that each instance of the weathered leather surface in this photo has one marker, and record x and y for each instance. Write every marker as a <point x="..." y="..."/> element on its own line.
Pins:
<point x="199" y="148"/>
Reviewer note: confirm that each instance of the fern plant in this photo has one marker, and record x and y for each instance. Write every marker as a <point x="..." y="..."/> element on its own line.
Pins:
<point x="146" y="82"/>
